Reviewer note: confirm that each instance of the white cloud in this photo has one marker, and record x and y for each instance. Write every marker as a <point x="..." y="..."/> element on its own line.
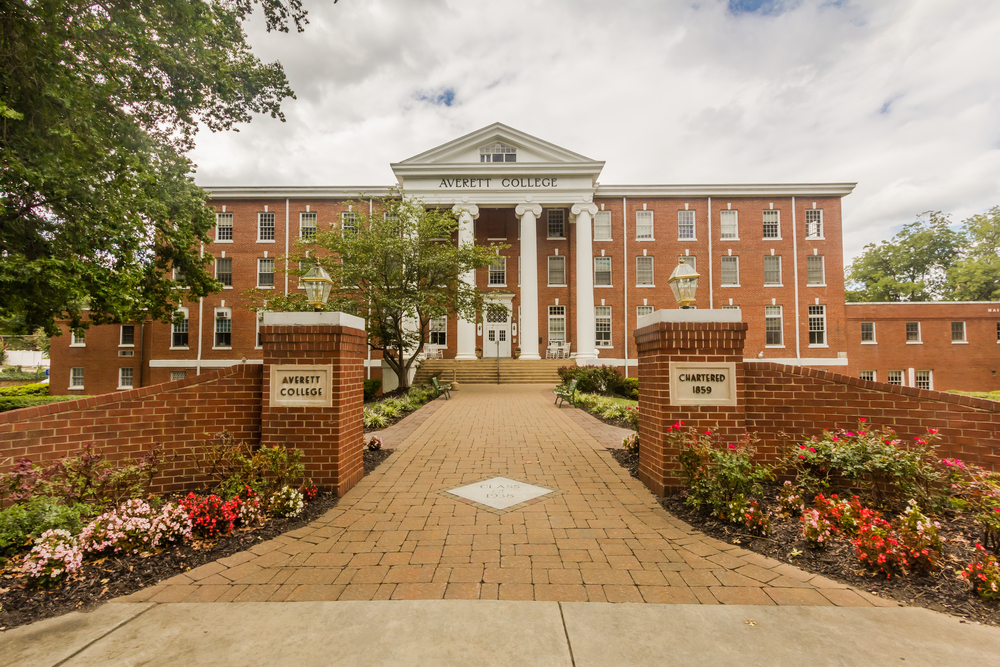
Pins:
<point x="902" y="96"/>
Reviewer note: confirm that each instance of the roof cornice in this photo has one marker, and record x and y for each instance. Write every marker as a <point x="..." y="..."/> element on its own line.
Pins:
<point x="297" y="191"/>
<point x="730" y="190"/>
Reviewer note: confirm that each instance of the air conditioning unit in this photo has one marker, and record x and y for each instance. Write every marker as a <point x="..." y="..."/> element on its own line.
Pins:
<point x="126" y="353"/>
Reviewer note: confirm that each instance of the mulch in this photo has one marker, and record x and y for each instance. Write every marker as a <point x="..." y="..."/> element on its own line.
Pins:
<point x="114" y="576"/>
<point x="940" y="591"/>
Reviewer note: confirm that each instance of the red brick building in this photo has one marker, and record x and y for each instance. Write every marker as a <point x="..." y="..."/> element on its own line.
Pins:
<point x="584" y="261"/>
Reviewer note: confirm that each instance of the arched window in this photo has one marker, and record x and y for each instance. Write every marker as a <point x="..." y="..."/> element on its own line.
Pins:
<point x="498" y="152"/>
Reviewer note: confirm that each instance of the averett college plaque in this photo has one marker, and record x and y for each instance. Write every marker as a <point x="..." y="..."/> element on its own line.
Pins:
<point x="702" y="383"/>
<point x="301" y="386"/>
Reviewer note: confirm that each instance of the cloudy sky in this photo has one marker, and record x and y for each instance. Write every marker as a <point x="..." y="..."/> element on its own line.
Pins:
<point x="902" y="96"/>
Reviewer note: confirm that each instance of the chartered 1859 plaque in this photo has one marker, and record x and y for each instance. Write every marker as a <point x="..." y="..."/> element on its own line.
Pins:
<point x="301" y="386"/>
<point x="702" y="383"/>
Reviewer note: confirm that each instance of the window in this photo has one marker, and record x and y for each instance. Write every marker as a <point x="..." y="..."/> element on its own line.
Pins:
<point x="998" y="332"/>
<point x="348" y="223"/>
<point x="498" y="272"/>
<point x="729" y="225"/>
<point x="265" y="226"/>
<point x="731" y="271"/>
<point x="602" y="315"/>
<point x="78" y="338"/>
<point x="643" y="225"/>
<point x="772" y="270"/>
<point x="644" y="271"/>
<point x="867" y="375"/>
<point x="690" y="260"/>
<point x="224" y="270"/>
<point x="179" y="330"/>
<point x="557" y="223"/>
<point x="772" y="224"/>
<point x="772" y="325"/>
<point x="179" y="276"/>
<point x="557" y="324"/>
<point x="124" y="378"/>
<point x="439" y="331"/>
<point x="867" y="332"/>
<point x="730" y="308"/>
<point x="557" y="270"/>
<point x="817" y="325"/>
<point x="498" y="152"/>
<point x="223" y="328"/>
<point x="223" y="227"/>
<point x="814" y="223"/>
<point x="127" y="338"/>
<point x="76" y="378"/>
<point x="958" y="332"/>
<point x="925" y="380"/>
<point x="307" y="225"/>
<point x="259" y="320"/>
<point x="602" y="226"/>
<point x="177" y="375"/>
<point x="602" y="271"/>
<point x="265" y="272"/>
<point x="815" y="270"/>
<point x="685" y="226"/>
<point x="913" y="332"/>
<point x="643" y="310"/>
<point x="896" y="377"/>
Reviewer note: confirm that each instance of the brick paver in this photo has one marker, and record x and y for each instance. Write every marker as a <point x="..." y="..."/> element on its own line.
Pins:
<point x="603" y="538"/>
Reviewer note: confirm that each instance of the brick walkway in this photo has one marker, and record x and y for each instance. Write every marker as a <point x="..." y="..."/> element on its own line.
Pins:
<point x="604" y="538"/>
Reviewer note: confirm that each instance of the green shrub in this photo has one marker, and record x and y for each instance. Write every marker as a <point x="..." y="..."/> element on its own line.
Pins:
<point x="371" y="389"/>
<point x="20" y="524"/>
<point x="38" y="389"/>
<point x="595" y="379"/>
<point x="630" y="388"/>
<point x="374" y="420"/>
<point x="17" y="402"/>
<point x="15" y="373"/>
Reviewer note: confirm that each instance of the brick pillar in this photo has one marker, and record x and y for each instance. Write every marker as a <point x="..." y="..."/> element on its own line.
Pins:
<point x="316" y="408"/>
<point x="707" y="344"/>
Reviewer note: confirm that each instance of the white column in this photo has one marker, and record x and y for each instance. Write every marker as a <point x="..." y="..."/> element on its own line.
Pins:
<point x="466" y="334"/>
<point x="586" y="345"/>
<point x="528" y="327"/>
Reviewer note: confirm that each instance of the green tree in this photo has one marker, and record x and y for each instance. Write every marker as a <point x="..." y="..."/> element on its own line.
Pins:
<point x="976" y="274"/>
<point x="99" y="102"/>
<point x="397" y="268"/>
<point x="913" y="266"/>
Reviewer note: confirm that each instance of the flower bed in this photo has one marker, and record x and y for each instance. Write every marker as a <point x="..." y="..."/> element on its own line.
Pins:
<point x="386" y="412"/>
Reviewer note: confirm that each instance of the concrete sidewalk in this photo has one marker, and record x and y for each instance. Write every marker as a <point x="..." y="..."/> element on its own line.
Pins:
<point x="441" y="633"/>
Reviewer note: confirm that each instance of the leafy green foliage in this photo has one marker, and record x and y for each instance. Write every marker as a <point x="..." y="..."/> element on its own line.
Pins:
<point x="38" y="389"/>
<point x="100" y="103"/>
<point x="600" y="380"/>
<point x="976" y="275"/>
<point x="21" y="523"/>
<point x="398" y="268"/>
<point x="18" y="402"/>
<point x="234" y="466"/>
<point x="371" y="388"/>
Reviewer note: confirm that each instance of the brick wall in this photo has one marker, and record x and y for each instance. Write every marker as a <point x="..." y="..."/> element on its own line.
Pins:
<point x="181" y="415"/>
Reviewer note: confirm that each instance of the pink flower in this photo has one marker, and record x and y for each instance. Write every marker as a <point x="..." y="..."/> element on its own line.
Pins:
<point x="707" y="432"/>
<point x="862" y="420"/>
<point x="732" y="446"/>
<point x="812" y="450"/>
<point x="849" y="434"/>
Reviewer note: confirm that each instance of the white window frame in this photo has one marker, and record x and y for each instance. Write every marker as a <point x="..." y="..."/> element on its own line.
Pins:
<point x="682" y="225"/>
<point x="821" y="260"/>
<point x="217" y="316"/>
<point x="78" y="338"/>
<point x="557" y="314"/>
<point x="638" y="271"/>
<point x="815" y="225"/>
<point x="499" y="273"/>
<point x="964" y="340"/>
<point x="726" y="259"/>
<point x="74" y="376"/>
<point x="602" y="316"/>
<point x="555" y="259"/>
<point x="925" y="382"/>
<point x="776" y="222"/>
<point x="602" y="226"/>
<point x="893" y="376"/>
<point x="126" y="373"/>
<point x="178" y="375"/>
<point x="121" y="336"/>
<point x="178" y="276"/>
<point x="220" y="218"/>
<point x="498" y="149"/>
<point x="267" y="227"/>
<point x="349" y="222"/>
<point x="560" y="214"/>
<point x="873" y="340"/>
<point x="187" y="330"/>
<point x="817" y="314"/>
<point x="258" y="320"/>
<point x="437" y="325"/>
<point x="774" y="313"/>
<point x="304" y="216"/>
<point x="772" y="259"/>
<point x="641" y="311"/>
<point x="217" y="272"/>
<point x="604" y="261"/>
<point x="641" y="228"/>
<point x="734" y="224"/>
<point x="261" y="261"/>
<point x="916" y="341"/>
<point x="872" y="375"/>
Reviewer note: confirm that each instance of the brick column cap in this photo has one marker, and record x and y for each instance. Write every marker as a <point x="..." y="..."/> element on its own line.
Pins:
<point x="313" y="319"/>
<point x="690" y="315"/>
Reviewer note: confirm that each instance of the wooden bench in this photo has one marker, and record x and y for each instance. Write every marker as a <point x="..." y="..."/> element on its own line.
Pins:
<point x="566" y="394"/>
<point x="441" y="390"/>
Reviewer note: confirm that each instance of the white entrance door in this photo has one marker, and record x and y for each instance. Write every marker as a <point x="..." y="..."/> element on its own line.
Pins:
<point x="496" y="342"/>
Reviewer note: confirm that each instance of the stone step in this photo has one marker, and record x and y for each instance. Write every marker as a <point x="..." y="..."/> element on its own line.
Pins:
<point x="484" y="371"/>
